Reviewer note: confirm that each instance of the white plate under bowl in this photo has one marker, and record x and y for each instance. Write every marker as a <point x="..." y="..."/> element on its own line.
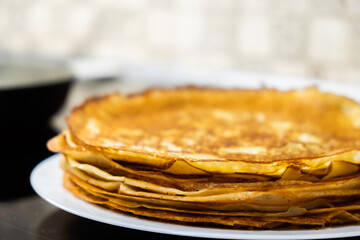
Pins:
<point x="46" y="179"/>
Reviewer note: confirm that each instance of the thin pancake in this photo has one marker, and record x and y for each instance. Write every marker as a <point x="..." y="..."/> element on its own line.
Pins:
<point x="239" y="221"/>
<point x="336" y="166"/>
<point x="305" y="128"/>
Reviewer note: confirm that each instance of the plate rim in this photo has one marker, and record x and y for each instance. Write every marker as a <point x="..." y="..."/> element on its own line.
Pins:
<point x="156" y="226"/>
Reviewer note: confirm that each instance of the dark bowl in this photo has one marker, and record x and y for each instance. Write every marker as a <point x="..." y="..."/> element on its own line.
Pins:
<point x="31" y="91"/>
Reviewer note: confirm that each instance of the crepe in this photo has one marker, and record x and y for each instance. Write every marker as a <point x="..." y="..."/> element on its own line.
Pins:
<point x="242" y="158"/>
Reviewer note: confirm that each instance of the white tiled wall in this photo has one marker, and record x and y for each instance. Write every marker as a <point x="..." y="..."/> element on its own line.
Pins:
<point x="315" y="38"/>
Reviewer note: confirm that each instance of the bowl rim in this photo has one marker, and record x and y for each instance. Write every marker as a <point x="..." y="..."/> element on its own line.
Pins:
<point x="27" y="72"/>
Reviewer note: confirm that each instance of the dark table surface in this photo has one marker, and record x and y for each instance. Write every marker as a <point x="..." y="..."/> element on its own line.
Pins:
<point x="31" y="217"/>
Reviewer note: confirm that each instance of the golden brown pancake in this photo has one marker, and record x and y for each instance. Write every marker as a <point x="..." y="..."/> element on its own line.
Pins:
<point x="221" y="131"/>
<point x="333" y="216"/>
<point x="259" y="159"/>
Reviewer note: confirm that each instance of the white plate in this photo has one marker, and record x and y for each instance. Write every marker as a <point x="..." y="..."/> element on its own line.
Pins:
<point x="46" y="179"/>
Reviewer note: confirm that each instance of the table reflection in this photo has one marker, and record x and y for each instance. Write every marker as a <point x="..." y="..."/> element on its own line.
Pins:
<point x="33" y="218"/>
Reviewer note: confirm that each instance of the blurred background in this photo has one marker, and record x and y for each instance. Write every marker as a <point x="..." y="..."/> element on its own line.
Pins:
<point x="310" y="38"/>
<point x="100" y="46"/>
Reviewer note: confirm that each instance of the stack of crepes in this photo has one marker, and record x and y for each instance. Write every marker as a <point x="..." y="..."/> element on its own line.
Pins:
<point x="253" y="159"/>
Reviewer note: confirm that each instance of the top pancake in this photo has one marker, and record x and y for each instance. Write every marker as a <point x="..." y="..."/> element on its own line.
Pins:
<point x="220" y="127"/>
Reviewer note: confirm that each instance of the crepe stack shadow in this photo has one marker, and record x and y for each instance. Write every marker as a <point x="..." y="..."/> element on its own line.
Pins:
<point x="246" y="159"/>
